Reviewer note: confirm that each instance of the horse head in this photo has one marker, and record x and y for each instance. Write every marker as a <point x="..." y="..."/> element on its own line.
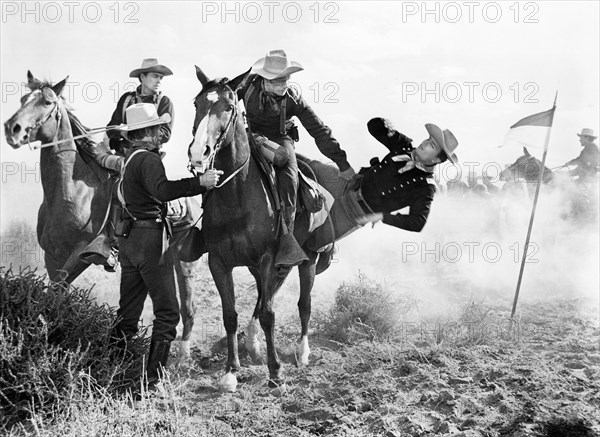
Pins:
<point x="39" y="116"/>
<point x="216" y="116"/>
<point x="526" y="168"/>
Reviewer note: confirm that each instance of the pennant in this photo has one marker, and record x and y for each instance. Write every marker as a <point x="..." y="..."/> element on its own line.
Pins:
<point x="531" y="131"/>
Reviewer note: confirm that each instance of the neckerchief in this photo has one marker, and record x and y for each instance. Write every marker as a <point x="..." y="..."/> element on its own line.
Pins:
<point x="267" y="101"/>
<point x="411" y="163"/>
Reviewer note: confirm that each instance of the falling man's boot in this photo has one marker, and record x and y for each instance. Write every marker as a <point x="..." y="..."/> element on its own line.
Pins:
<point x="157" y="362"/>
<point x="289" y="253"/>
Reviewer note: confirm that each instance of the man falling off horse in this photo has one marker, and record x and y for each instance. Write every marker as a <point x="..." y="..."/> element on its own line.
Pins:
<point x="403" y="178"/>
<point x="270" y="105"/>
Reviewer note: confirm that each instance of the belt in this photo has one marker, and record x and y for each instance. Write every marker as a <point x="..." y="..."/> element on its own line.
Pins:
<point x="361" y="200"/>
<point x="148" y="223"/>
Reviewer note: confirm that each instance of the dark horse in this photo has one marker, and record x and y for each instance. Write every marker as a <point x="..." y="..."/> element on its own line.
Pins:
<point x="77" y="192"/>
<point x="577" y="199"/>
<point x="240" y="226"/>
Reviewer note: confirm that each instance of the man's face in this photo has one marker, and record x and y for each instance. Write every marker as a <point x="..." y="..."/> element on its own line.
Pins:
<point x="150" y="82"/>
<point x="585" y="140"/>
<point x="277" y="86"/>
<point x="428" y="152"/>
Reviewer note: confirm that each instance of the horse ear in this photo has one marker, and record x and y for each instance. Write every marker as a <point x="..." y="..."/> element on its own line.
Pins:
<point x="239" y="81"/>
<point x="59" y="86"/>
<point x="526" y="152"/>
<point x="32" y="82"/>
<point x="203" y="78"/>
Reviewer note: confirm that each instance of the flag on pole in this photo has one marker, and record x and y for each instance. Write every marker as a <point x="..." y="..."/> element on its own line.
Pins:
<point x="531" y="131"/>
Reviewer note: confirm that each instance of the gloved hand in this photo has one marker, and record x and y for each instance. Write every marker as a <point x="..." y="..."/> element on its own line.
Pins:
<point x="348" y="174"/>
<point x="210" y="178"/>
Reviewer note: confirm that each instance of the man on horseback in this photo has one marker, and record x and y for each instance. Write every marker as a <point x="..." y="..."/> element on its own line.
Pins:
<point x="403" y="178"/>
<point x="587" y="161"/>
<point x="144" y="233"/>
<point x="270" y="105"/>
<point x="150" y="74"/>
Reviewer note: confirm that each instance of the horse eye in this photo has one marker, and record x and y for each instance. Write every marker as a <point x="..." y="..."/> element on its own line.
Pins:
<point x="229" y="108"/>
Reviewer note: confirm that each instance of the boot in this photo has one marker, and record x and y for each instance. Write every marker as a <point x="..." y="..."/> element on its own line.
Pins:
<point x="289" y="253"/>
<point x="324" y="260"/>
<point x="157" y="362"/>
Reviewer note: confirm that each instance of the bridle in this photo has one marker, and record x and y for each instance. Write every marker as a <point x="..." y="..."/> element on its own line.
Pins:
<point x="221" y="140"/>
<point x="55" y="111"/>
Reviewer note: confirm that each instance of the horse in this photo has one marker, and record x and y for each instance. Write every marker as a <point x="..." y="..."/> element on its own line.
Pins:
<point x="77" y="191"/>
<point x="576" y="198"/>
<point x="240" y="227"/>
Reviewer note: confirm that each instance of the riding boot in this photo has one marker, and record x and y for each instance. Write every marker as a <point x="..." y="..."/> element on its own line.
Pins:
<point x="324" y="259"/>
<point x="289" y="253"/>
<point x="157" y="362"/>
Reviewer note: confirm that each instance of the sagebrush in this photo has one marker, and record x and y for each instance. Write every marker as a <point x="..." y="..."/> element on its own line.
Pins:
<point x="55" y="342"/>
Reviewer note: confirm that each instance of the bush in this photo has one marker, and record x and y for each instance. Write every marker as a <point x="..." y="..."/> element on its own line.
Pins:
<point x="54" y="343"/>
<point x="365" y="310"/>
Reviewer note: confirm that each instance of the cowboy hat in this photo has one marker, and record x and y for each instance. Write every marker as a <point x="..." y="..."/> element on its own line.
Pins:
<point x="275" y="65"/>
<point x="151" y="65"/>
<point x="445" y="139"/>
<point x="142" y="115"/>
<point x="587" y="133"/>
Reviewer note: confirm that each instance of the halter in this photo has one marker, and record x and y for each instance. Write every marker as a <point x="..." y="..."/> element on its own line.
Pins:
<point x="221" y="140"/>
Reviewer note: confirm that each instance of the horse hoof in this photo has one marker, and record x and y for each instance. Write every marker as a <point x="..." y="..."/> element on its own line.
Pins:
<point x="278" y="390"/>
<point x="302" y="352"/>
<point x="183" y="353"/>
<point x="228" y="384"/>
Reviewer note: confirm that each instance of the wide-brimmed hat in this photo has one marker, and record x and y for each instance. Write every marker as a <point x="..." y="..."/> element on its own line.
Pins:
<point x="445" y="139"/>
<point x="587" y="133"/>
<point x="142" y="115"/>
<point x="151" y="65"/>
<point x="275" y="65"/>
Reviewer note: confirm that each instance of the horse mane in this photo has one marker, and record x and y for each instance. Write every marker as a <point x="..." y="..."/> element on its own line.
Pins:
<point x="78" y="128"/>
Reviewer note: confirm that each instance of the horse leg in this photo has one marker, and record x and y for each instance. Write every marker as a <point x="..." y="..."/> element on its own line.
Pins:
<point x="252" y="341"/>
<point x="271" y="283"/>
<point x="224" y="282"/>
<point x="306" y="272"/>
<point x="187" y="308"/>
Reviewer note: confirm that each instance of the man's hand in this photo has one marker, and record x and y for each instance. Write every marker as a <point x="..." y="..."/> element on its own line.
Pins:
<point x="348" y="174"/>
<point x="371" y="218"/>
<point x="210" y="178"/>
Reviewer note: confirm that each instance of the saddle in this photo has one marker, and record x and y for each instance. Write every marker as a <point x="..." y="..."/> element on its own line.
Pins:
<point x="312" y="197"/>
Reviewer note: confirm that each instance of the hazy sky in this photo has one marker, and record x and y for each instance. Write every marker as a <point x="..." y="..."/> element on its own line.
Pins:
<point x="473" y="67"/>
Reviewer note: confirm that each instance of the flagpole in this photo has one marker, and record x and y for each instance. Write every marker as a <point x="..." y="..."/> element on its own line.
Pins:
<point x="535" y="199"/>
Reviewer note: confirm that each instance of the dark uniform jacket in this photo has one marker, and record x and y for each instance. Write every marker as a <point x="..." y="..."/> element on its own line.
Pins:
<point x="385" y="190"/>
<point x="146" y="188"/>
<point x="265" y="120"/>
<point x="117" y="142"/>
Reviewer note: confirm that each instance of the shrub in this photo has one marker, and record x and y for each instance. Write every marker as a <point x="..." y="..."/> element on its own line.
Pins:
<point x="365" y="310"/>
<point x="54" y="342"/>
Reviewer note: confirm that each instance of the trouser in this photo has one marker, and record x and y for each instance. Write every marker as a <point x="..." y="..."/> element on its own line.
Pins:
<point x="287" y="178"/>
<point x="141" y="275"/>
<point x="346" y="215"/>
